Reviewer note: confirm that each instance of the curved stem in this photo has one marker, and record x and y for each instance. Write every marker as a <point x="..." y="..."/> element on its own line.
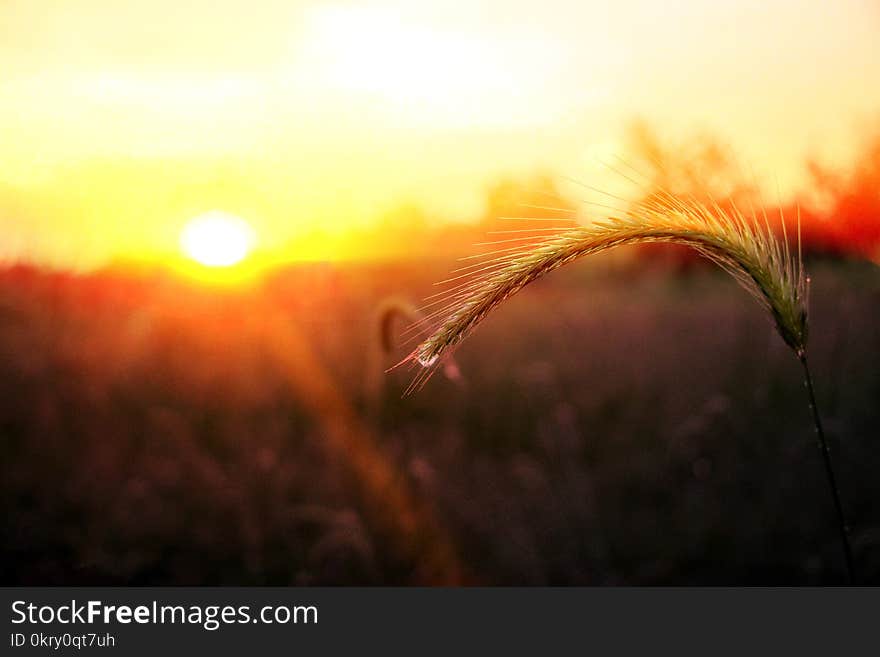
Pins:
<point x="829" y="470"/>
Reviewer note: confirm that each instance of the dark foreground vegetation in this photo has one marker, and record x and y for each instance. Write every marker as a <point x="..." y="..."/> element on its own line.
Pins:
<point x="611" y="425"/>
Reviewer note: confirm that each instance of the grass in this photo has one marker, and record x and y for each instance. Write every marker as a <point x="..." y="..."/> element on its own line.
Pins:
<point x="743" y="246"/>
<point x="655" y="435"/>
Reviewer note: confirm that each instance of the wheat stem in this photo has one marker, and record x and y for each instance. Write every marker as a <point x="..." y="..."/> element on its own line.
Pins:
<point x="843" y="527"/>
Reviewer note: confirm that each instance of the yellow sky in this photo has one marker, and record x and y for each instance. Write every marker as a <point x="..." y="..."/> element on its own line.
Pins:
<point x="121" y="120"/>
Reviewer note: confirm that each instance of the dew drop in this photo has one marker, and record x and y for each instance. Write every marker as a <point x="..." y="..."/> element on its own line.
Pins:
<point x="426" y="360"/>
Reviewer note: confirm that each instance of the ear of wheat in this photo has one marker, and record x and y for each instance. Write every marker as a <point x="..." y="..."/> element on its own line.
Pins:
<point x="746" y="247"/>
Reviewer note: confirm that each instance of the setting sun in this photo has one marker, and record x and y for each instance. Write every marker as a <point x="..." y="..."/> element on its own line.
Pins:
<point x="217" y="239"/>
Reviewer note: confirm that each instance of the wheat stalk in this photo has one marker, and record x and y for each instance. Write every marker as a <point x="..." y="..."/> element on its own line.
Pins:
<point x="746" y="247"/>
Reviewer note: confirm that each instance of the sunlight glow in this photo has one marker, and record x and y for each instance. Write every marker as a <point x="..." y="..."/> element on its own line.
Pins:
<point x="434" y="75"/>
<point x="217" y="239"/>
<point x="318" y="120"/>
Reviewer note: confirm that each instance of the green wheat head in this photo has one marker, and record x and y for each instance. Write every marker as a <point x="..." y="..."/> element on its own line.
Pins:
<point x="746" y="247"/>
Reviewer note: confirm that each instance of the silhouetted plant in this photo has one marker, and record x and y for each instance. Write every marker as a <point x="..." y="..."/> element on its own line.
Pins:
<point x="745" y="247"/>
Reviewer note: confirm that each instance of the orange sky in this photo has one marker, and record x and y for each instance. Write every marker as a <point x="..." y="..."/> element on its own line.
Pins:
<point x="121" y="120"/>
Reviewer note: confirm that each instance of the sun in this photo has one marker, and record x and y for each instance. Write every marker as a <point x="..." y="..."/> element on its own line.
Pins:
<point x="217" y="239"/>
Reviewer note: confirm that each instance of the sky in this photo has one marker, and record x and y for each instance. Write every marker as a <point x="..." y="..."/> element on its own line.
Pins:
<point x="120" y="121"/>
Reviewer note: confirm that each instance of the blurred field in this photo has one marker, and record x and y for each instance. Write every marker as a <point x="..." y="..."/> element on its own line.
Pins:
<point x="613" y="425"/>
